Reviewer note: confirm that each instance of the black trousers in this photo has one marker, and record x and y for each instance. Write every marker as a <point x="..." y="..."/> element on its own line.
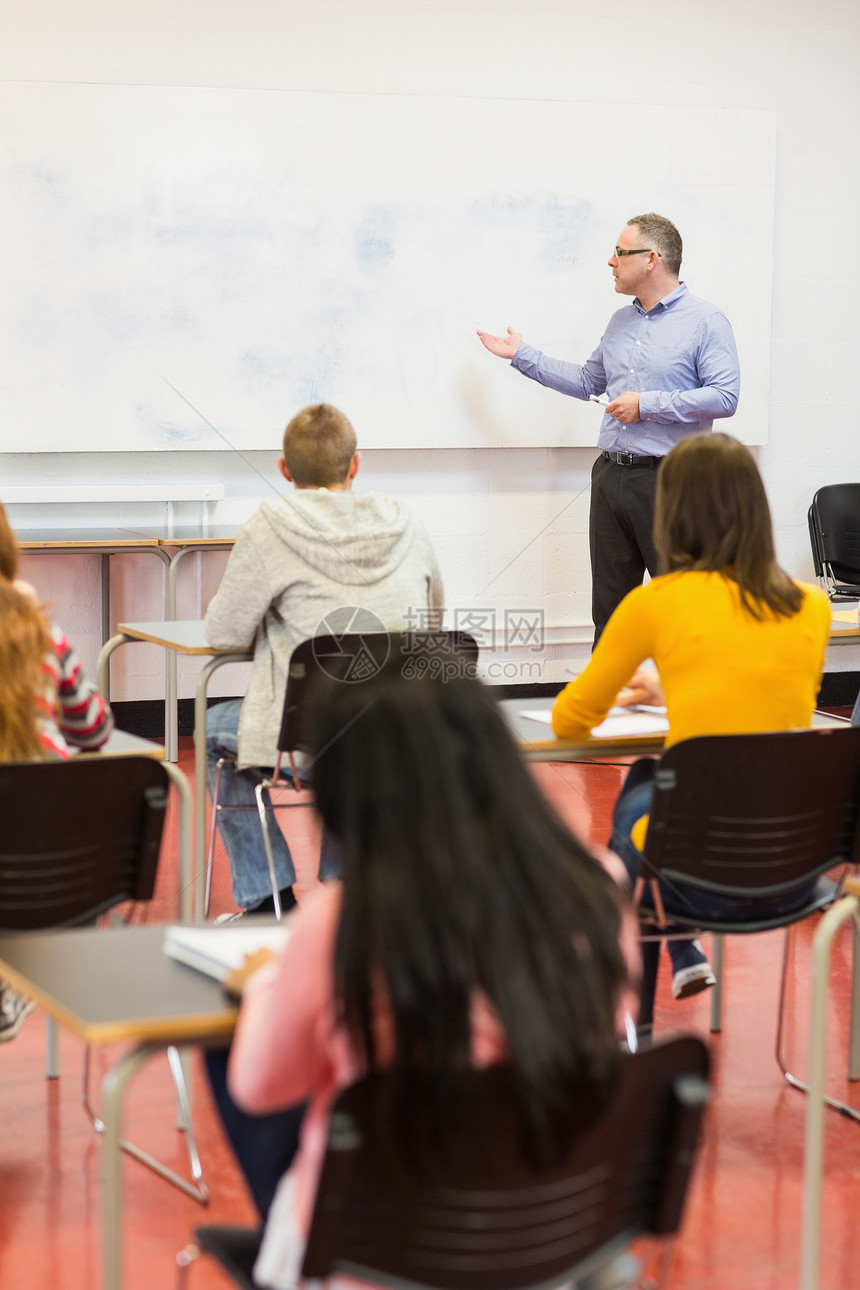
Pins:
<point x="620" y="534"/>
<point x="264" y="1145"/>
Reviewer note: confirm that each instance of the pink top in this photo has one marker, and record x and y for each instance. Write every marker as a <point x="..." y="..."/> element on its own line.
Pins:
<point x="287" y="1049"/>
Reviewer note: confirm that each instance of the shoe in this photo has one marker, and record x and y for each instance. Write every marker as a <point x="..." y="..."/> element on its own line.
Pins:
<point x="265" y="907"/>
<point x="691" y="971"/>
<point x="14" y="1011"/>
<point x="693" y="980"/>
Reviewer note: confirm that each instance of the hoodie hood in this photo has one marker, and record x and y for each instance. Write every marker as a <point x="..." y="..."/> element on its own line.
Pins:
<point x="351" y="538"/>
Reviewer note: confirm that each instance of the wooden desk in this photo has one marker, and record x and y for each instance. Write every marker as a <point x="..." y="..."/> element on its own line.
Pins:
<point x="90" y="541"/>
<point x="109" y="984"/>
<point x="184" y="636"/>
<point x="844" y="624"/>
<point x="192" y="536"/>
<point x="538" y="743"/>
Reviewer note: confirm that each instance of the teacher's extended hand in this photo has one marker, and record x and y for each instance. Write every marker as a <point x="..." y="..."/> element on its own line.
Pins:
<point x="503" y="346"/>
<point x="625" y="408"/>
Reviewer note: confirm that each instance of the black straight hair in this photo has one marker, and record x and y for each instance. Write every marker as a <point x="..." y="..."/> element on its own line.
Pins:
<point x="458" y="878"/>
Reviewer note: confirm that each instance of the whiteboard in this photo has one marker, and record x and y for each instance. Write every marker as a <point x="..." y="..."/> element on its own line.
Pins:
<point x="186" y="268"/>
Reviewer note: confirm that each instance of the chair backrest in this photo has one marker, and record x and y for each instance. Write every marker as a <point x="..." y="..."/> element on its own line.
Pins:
<point x="485" y="1219"/>
<point x="834" y="523"/>
<point x="77" y="838"/>
<point x="755" y="814"/>
<point x="357" y="656"/>
<point x="814" y="541"/>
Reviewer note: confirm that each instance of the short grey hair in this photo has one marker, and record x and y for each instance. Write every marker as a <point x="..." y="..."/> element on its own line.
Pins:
<point x="661" y="235"/>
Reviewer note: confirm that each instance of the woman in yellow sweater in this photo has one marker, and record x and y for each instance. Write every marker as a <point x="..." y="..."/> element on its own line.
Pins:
<point x="738" y="645"/>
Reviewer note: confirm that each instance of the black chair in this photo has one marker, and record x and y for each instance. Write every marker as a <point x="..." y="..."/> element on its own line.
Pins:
<point x="351" y="658"/>
<point x="483" y="1217"/>
<point x="78" y="839"/>
<point x="834" y="533"/>
<point x="752" y="817"/>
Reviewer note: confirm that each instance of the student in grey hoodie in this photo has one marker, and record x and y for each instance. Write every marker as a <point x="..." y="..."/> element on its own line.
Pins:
<point x="318" y="555"/>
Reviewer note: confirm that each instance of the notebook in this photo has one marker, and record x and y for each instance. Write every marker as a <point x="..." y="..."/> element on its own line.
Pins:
<point x="216" y="951"/>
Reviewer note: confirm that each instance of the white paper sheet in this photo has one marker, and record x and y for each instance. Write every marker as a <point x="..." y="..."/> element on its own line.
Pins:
<point x="619" y="723"/>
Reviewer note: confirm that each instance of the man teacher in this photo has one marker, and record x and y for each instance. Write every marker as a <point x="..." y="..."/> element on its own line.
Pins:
<point x="668" y="365"/>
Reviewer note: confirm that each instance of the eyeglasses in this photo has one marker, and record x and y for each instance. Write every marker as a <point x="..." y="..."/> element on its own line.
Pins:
<point x="642" y="250"/>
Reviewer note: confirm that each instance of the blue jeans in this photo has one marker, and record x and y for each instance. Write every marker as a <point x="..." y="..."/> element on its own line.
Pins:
<point x="240" y="830"/>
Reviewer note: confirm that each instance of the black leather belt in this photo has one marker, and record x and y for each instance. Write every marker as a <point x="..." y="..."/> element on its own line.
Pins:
<point x="627" y="459"/>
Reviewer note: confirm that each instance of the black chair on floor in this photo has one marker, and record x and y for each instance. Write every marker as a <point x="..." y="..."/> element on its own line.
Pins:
<point x="351" y="658"/>
<point x="78" y="839"/>
<point x="834" y="533"/>
<point x="483" y="1217"/>
<point x="753" y="817"/>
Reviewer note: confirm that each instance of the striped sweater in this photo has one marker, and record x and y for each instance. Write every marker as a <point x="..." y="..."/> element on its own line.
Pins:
<point x="70" y="709"/>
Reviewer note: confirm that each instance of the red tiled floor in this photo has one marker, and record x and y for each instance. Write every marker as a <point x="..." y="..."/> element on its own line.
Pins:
<point x="742" y="1227"/>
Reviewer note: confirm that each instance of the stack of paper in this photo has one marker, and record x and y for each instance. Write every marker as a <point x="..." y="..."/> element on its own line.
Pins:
<point x="219" y="950"/>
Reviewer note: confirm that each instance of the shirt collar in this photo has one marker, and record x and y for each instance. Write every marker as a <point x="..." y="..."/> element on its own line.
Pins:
<point x="667" y="301"/>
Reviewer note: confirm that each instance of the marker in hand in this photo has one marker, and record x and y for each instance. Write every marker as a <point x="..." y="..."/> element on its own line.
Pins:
<point x="602" y="399"/>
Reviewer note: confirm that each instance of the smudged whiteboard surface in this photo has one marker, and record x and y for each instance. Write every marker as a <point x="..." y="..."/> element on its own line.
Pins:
<point x="186" y="268"/>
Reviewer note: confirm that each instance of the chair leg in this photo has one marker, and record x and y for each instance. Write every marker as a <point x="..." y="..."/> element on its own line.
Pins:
<point x="718" y="964"/>
<point x="650" y="965"/>
<point x="197" y="1189"/>
<point x="835" y="1103"/>
<point x="183" y="1096"/>
<point x="52" y="1049"/>
<point x="259" y="792"/>
<point x="210" y="853"/>
<point x="184" y="1259"/>
<point x="813" y="1161"/>
<point x="854" y="1042"/>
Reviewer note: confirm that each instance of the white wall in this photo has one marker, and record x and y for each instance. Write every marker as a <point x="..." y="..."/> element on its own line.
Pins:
<point x="509" y="524"/>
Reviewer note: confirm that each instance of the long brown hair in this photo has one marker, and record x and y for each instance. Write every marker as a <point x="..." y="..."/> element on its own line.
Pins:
<point x="24" y="640"/>
<point x="712" y="514"/>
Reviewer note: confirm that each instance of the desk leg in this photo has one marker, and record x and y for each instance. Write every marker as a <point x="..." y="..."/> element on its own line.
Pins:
<point x="185" y="831"/>
<point x="171" y="694"/>
<point x="815" y="1111"/>
<point x="854" y="1044"/>
<point x="106" y="601"/>
<point x="113" y="1089"/>
<point x="200" y="772"/>
<point x="103" y="665"/>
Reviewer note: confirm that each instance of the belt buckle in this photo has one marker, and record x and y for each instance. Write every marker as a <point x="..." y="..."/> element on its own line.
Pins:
<point x="624" y="458"/>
